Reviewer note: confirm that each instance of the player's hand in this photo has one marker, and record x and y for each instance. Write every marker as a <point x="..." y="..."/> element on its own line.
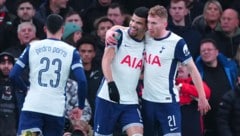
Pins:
<point x="113" y="92"/>
<point x="75" y="114"/>
<point x="203" y="105"/>
<point x="111" y="38"/>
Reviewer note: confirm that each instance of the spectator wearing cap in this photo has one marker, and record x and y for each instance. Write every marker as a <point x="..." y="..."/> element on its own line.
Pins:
<point x="72" y="33"/>
<point x="8" y="97"/>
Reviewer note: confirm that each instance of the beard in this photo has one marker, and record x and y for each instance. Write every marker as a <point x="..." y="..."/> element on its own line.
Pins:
<point x="4" y="74"/>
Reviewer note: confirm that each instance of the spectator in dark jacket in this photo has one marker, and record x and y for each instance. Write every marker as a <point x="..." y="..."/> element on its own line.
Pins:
<point x="9" y="94"/>
<point x="180" y="25"/>
<point x="228" y="120"/>
<point x="6" y="21"/>
<point x="220" y="74"/>
<point x="52" y="7"/>
<point x="227" y="35"/>
<point x="210" y="18"/>
<point x="25" y="13"/>
<point x="97" y="9"/>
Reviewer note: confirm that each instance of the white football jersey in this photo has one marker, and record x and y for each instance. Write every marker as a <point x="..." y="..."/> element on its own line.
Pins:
<point x="50" y="62"/>
<point x="126" y="69"/>
<point x="161" y="59"/>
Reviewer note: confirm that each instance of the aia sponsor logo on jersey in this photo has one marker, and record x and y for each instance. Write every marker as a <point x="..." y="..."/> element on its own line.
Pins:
<point x="132" y="62"/>
<point x="151" y="59"/>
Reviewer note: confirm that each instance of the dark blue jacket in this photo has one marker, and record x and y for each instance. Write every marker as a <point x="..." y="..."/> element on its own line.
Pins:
<point x="230" y="68"/>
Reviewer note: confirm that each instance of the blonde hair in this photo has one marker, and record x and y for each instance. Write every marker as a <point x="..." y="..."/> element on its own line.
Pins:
<point x="215" y="2"/>
<point x="158" y="10"/>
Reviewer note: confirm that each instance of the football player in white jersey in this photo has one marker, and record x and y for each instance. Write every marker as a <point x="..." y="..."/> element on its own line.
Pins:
<point x="164" y="50"/>
<point x="49" y="61"/>
<point x="117" y="99"/>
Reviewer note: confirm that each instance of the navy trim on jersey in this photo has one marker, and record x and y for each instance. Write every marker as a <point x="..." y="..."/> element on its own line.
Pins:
<point x="80" y="77"/>
<point x="183" y="54"/>
<point x="119" y="38"/>
<point x="159" y="39"/>
<point x="171" y="78"/>
<point x="15" y="74"/>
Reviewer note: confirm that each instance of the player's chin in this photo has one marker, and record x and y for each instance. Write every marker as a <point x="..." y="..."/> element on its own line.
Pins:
<point x="132" y="32"/>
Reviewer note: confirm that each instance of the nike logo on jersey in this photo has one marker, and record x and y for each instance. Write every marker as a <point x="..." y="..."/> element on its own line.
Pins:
<point x="126" y="45"/>
<point x="173" y="129"/>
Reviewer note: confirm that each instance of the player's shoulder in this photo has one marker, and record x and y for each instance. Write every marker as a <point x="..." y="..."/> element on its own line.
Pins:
<point x="174" y="35"/>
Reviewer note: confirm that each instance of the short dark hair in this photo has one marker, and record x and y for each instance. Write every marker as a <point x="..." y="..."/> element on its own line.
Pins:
<point x="54" y="23"/>
<point x="141" y="12"/>
<point x="209" y="40"/>
<point x="100" y="20"/>
<point x="19" y="2"/>
<point x="70" y="13"/>
<point x="87" y="39"/>
<point x="117" y="5"/>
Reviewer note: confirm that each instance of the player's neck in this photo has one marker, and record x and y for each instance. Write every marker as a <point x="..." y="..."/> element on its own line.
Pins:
<point x="54" y="36"/>
<point x="162" y="34"/>
<point x="87" y="66"/>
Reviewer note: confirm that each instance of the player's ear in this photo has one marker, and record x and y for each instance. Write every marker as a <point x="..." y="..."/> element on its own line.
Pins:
<point x="45" y="29"/>
<point x="62" y="29"/>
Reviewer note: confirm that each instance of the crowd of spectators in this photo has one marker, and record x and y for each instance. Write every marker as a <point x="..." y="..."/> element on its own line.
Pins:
<point x="209" y="27"/>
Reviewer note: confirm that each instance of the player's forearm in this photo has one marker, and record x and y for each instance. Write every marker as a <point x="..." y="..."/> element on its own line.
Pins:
<point x="116" y="27"/>
<point x="106" y="63"/>
<point x="196" y="78"/>
<point x="198" y="83"/>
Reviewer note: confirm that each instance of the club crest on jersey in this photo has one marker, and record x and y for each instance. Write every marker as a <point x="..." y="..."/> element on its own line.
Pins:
<point x="132" y="62"/>
<point x="161" y="49"/>
<point x="185" y="50"/>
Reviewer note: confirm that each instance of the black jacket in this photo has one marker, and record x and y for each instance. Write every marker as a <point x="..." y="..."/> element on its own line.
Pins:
<point x="228" y="116"/>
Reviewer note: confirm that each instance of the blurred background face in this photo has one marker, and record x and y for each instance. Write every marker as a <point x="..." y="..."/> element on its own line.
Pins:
<point x="5" y="67"/>
<point x="115" y="15"/>
<point x="75" y="18"/>
<point x="178" y="11"/>
<point x="208" y="52"/>
<point x="229" y="21"/>
<point x="60" y="3"/>
<point x="212" y="12"/>
<point x="25" y="11"/>
<point x="77" y="35"/>
<point x="26" y="34"/>
<point x="87" y="53"/>
<point x="102" y="29"/>
<point x="105" y="2"/>
<point x="2" y="2"/>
